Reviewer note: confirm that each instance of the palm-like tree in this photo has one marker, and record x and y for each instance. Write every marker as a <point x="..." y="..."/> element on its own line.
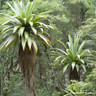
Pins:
<point x="73" y="56"/>
<point x="22" y="26"/>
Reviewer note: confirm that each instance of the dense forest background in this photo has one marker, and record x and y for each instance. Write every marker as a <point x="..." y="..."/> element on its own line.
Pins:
<point x="74" y="17"/>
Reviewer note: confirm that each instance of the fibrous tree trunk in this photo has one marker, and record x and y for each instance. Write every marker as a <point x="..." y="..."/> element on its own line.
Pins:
<point x="26" y="60"/>
<point x="74" y="74"/>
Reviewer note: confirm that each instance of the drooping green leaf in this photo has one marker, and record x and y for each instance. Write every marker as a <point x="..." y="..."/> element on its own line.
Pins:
<point x="34" y="30"/>
<point x="6" y="28"/>
<point x="81" y="46"/>
<point x="31" y="24"/>
<point x="38" y="19"/>
<point x="23" y="42"/>
<point x="84" y="52"/>
<point x="21" y="31"/>
<point x="29" y="42"/>
<point x="57" y="58"/>
<point x="15" y="41"/>
<point x="9" y="20"/>
<point x="35" y="46"/>
<point x="82" y="61"/>
<point x="83" y="66"/>
<point x="30" y="17"/>
<point x="77" y="67"/>
<point x="12" y="8"/>
<point x="42" y="24"/>
<point x="73" y="65"/>
<point x="44" y="13"/>
<point x="78" y="56"/>
<point x="10" y="40"/>
<point x="15" y="29"/>
<point x="62" y="44"/>
<point x="26" y="34"/>
<point x="2" y="45"/>
<point x="63" y="60"/>
<point x="65" y="67"/>
<point x="42" y="37"/>
<point x="62" y="51"/>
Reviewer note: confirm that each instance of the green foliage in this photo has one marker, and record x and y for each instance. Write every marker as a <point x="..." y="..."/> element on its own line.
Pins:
<point x="16" y="87"/>
<point x="80" y="89"/>
<point x="73" y="55"/>
<point x="55" y="93"/>
<point x="23" y="25"/>
<point x="87" y="31"/>
<point x="92" y="76"/>
<point x="67" y="17"/>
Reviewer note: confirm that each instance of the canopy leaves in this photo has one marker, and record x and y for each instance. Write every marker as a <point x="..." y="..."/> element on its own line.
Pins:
<point x="25" y="25"/>
<point x="74" y="55"/>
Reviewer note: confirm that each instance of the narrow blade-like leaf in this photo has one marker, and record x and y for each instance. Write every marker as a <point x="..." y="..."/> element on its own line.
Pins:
<point x="10" y="40"/>
<point x="21" y="30"/>
<point x="65" y="67"/>
<point x="26" y="34"/>
<point x="12" y="8"/>
<point x="29" y="42"/>
<point x="33" y="5"/>
<point x="34" y="30"/>
<point x="81" y="46"/>
<point x="77" y="67"/>
<point x="23" y="42"/>
<point x="62" y="51"/>
<point x="15" y="29"/>
<point x="35" y="46"/>
<point x="73" y="65"/>
<point x="83" y="66"/>
<point x="62" y="44"/>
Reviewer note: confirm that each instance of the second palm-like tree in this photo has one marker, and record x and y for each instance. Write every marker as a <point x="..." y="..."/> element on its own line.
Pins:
<point x="22" y="26"/>
<point x="72" y="56"/>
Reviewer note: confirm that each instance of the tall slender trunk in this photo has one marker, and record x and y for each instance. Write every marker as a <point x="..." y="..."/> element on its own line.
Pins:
<point x="26" y="60"/>
<point x="74" y="75"/>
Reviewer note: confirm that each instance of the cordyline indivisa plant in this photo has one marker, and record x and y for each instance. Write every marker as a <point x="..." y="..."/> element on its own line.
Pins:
<point x="73" y="56"/>
<point x="22" y="26"/>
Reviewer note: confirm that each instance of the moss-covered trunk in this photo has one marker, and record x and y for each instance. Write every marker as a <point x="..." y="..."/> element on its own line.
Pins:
<point x="26" y="60"/>
<point x="74" y="74"/>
